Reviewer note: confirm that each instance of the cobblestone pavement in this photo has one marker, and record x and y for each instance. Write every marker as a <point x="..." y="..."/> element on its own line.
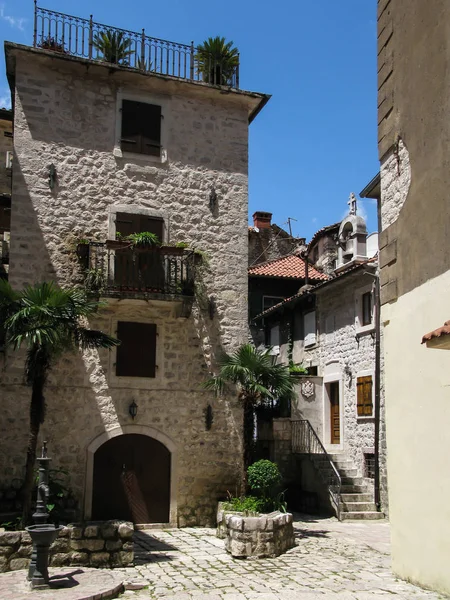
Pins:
<point x="332" y="560"/>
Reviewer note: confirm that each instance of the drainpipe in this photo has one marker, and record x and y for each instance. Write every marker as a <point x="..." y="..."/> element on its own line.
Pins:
<point x="377" y="393"/>
<point x="305" y="258"/>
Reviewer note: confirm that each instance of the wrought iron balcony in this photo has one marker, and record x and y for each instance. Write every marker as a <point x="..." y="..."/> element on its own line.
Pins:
<point x="75" y="36"/>
<point x="119" y="269"/>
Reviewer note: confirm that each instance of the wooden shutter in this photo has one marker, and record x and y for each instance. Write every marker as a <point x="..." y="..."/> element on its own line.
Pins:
<point x="136" y="355"/>
<point x="364" y="396"/>
<point x="141" y="128"/>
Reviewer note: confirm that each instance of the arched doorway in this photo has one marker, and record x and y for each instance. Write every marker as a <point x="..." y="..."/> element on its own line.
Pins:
<point x="131" y="480"/>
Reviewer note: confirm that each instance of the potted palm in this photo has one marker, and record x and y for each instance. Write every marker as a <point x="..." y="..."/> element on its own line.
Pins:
<point x="217" y="61"/>
<point x="114" y="46"/>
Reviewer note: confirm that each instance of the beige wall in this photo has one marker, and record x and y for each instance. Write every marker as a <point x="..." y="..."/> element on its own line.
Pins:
<point x="417" y="419"/>
<point x="65" y="114"/>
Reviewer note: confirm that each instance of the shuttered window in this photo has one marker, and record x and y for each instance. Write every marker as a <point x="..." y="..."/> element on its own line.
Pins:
<point x="367" y="308"/>
<point x="141" y="128"/>
<point x="136" y="355"/>
<point x="127" y="223"/>
<point x="309" y="327"/>
<point x="364" y="396"/>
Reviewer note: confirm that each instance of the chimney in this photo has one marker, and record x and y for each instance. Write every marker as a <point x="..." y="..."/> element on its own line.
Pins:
<point x="262" y="220"/>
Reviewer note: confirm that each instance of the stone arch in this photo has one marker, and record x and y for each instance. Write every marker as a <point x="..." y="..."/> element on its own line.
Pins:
<point x="131" y="429"/>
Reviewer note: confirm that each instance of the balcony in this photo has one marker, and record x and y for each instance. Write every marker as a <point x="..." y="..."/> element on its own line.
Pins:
<point x="119" y="270"/>
<point x="75" y="36"/>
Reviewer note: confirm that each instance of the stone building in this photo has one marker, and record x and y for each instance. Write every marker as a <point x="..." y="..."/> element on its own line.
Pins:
<point x="267" y="241"/>
<point x="100" y="149"/>
<point x="330" y="329"/>
<point x="6" y="147"/>
<point x="414" y="151"/>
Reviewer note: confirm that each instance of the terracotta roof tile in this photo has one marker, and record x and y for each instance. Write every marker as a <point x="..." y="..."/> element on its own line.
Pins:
<point x="445" y="330"/>
<point x="288" y="267"/>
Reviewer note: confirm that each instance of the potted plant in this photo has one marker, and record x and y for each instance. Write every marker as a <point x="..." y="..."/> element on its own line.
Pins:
<point x="217" y="61"/>
<point x="51" y="43"/>
<point x="114" y="46"/>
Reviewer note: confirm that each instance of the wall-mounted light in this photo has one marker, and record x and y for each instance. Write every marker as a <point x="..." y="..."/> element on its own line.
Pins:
<point x="212" y="198"/>
<point x="52" y="176"/>
<point x="132" y="409"/>
<point x="208" y="417"/>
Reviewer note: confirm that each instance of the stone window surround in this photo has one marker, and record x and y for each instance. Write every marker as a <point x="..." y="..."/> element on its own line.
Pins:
<point x="365" y="373"/>
<point x="141" y="430"/>
<point x="332" y="372"/>
<point x="136" y="209"/>
<point x="158" y="99"/>
<point x="363" y="329"/>
<point x="141" y="383"/>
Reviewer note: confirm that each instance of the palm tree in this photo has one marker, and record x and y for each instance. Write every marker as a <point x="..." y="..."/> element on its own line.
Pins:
<point x="217" y="61"/>
<point x="257" y="379"/>
<point x="114" y="46"/>
<point x="46" y="320"/>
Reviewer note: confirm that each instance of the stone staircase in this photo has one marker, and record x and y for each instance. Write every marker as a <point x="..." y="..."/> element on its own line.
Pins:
<point x="356" y="498"/>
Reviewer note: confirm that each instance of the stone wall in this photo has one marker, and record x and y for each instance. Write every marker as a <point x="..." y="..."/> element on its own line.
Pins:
<point x="65" y="115"/>
<point x="91" y="544"/>
<point x="261" y="536"/>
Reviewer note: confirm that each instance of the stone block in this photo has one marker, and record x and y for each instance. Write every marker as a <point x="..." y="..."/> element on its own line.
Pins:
<point x="3" y="564"/>
<point x="76" y="533"/>
<point x="65" y="532"/>
<point x="113" y="545"/>
<point x="109" y="530"/>
<point x="15" y="564"/>
<point x="10" y="538"/>
<point x="236" y="523"/>
<point x="91" y="531"/>
<point x="127" y="559"/>
<point x="127" y="546"/>
<point x="79" y="558"/>
<point x="91" y="545"/>
<point x="99" y="559"/>
<point x="24" y="551"/>
<point x="6" y="550"/>
<point x="60" y="560"/>
<point x="26" y="538"/>
<point x="126" y="530"/>
<point x="61" y="545"/>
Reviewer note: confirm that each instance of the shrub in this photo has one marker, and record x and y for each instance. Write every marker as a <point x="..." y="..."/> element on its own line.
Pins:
<point x="247" y="504"/>
<point x="264" y="476"/>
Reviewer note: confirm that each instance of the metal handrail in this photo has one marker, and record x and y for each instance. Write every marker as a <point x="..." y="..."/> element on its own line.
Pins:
<point x="306" y="441"/>
<point x="75" y="36"/>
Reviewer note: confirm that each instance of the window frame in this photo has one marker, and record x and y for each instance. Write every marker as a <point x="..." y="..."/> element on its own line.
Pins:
<point x="158" y="100"/>
<point x="310" y="344"/>
<point x="359" y="308"/>
<point x="279" y="298"/>
<point x="153" y="367"/>
<point x="360" y="375"/>
<point x="129" y="381"/>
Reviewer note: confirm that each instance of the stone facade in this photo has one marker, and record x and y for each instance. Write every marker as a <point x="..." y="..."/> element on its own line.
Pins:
<point x="90" y="544"/>
<point x="66" y="115"/>
<point x="395" y="176"/>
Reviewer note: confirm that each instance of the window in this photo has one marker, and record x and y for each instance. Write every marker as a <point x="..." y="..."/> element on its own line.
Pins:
<point x="367" y="308"/>
<point x="141" y="128"/>
<point x="309" y="328"/>
<point x="127" y="223"/>
<point x="364" y="396"/>
<point x="269" y="301"/>
<point x="369" y="465"/>
<point x="136" y="355"/>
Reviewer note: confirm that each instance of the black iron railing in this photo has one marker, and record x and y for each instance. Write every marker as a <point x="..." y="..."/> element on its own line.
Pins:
<point x="79" y="37"/>
<point x="306" y="441"/>
<point x="115" y="269"/>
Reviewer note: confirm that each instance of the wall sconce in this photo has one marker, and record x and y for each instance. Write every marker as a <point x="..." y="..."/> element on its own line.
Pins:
<point x="52" y="176"/>
<point x="132" y="409"/>
<point x="211" y="307"/>
<point x="208" y="417"/>
<point x="212" y="199"/>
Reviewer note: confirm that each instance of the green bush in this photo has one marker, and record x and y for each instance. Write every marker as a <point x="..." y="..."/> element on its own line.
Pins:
<point x="247" y="504"/>
<point x="264" y="476"/>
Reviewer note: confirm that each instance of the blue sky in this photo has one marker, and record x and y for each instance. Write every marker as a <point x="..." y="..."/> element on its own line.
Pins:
<point x="316" y="140"/>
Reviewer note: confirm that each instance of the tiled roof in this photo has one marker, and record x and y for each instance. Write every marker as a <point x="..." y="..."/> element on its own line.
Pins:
<point x="445" y="330"/>
<point x="288" y="267"/>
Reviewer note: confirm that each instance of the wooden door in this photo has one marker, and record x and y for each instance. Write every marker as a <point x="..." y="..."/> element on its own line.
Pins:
<point x="335" y="420"/>
<point x="142" y="270"/>
<point x="132" y="480"/>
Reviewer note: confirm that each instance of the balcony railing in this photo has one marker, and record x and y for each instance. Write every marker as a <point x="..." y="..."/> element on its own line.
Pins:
<point x="77" y="37"/>
<point x="118" y="269"/>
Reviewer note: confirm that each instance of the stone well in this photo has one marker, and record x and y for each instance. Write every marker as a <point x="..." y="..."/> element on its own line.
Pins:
<point x="258" y="536"/>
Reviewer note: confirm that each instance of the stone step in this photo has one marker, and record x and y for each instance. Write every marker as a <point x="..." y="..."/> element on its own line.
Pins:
<point x="353" y="489"/>
<point x="358" y="507"/>
<point x="357" y="497"/>
<point x="350" y="472"/>
<point x="352" y="481"/>
<point x="359" y="516"/>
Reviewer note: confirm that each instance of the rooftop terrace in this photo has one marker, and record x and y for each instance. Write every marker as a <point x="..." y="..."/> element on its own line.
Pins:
<point x="85" y="38"/>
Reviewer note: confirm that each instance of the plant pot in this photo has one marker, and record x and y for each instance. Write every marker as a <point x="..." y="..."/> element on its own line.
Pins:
<point x="117" y="244"/>
<point x="172" y="250"/>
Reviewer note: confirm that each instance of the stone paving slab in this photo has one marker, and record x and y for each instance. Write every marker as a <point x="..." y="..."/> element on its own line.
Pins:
<point x="331" y="561"/>
<point x="66" y="584"/>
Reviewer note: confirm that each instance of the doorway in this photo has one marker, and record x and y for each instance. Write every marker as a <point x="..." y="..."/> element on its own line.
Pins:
<point x="335" y="419"/>
<point x="131" y="480"/>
